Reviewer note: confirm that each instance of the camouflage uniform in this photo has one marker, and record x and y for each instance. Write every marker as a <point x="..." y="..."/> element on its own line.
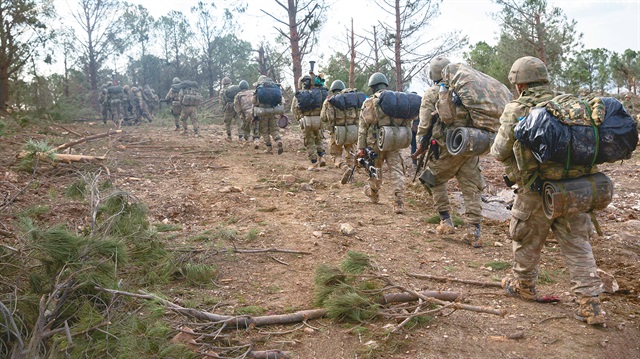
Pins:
<point x="127" y="105"/>
<point x="313" y="139"/>
<point x="267" y="124"/>
<point x="104" y="103"/>
<point x="244" y="108"/>
<point x="529" y="226"/>
<point x="227" y="108"/>
<point x="188" y="111"/>
<point x="140" y="105"/>
<point x="366" y="131"/>
<point x="465" y="168"/>
<point x="176" y="107"/>
<point x="348" y="160"/>
<point x="115" y="107"/>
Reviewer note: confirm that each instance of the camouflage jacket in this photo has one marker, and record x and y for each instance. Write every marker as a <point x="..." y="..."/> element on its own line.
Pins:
<point x="428" y="107"/>
<point x="173" y="94"/>
<point x="222" y="97"/>
<point x="324" y="116"/>
<point x="368" y="118"/>
<point x="519" y="163"/>
<point x="242" y="103"/>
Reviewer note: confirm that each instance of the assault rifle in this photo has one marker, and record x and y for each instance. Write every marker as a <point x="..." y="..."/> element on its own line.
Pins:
<point x="427" y="147"/>
<point x="368" y="163"/>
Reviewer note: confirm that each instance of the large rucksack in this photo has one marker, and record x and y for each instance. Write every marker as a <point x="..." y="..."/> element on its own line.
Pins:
<point x="574" y="131"/>
<point x="348" y="99"/>
<point x="480" y="94"/>
<point x="400" y="104"/>
<point x="190" y="94"/>
<point x="231" y="92"/>
<point x="268" y="94"/>
<point x="311" y="99"/>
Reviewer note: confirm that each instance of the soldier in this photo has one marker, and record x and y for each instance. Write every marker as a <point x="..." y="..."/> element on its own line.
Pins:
<point x="115" y="97"/>
<point x="190" y="99"/>
<point x="151" y="99"/>
<point x="268" y="125"/>
<point x="104" y="104"/>
<point x="333" y="117"/>
<point x="529" y="225"/>
<point x="244" y="108"/>
<point x="127" y="106"/>
<point x="309" y="117"/>
<point x="444" y="166"/>
<point x="368" y="123"/>
<point x="226" y="100"/>
<point x="140" y="105"/>
<point x="173" y="98"/>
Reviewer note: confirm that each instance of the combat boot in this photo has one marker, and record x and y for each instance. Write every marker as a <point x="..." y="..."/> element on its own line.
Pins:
<point x="228" y="137"/>
<point x="280" y="149"/>
<point x="589" y="311"/>
<point x="314" y="165"/>
<point x="256" y="144"/>
<point x="446" y="224"/>
<point x="371" y="193"/>
<point x="322" y="161"/>
<point x="518" y="288"/>
<point x="473" y="235"/>
<point x="398" y="206"/>
<point x="269" y="150"/>
<point x="177" y="128"/>
<point x="346" y="174"/>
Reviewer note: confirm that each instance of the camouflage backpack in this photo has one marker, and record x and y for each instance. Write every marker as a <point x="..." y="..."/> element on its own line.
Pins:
<point x="190" y="94"/>
<point x="479" y="94"/>
<point x="231" y="92"/>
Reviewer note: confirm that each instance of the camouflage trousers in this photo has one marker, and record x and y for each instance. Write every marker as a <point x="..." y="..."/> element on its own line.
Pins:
<point x="268" y="126"/>
<point x="395" y="165"/>
<point x="529" y="229"/>
<point x="337" y="150"/>
<point x="143" y="111"/>
<point x="469" y="175"/>
<point x="175" y="111"/>
<point x="314" y="142"/>
<point x="229" y="116"/>
<point x="115" y="110"/>
<point x="192" y="113"/>
<point x="105" y="113"/>
<point x="249" y="126"/>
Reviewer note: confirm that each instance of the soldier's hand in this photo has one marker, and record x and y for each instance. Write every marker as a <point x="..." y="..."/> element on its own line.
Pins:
<point x="415" y="155"/>
<point x="360" y="153"/>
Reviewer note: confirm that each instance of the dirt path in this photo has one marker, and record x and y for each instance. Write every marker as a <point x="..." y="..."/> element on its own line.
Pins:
<point x="208" y="184"/>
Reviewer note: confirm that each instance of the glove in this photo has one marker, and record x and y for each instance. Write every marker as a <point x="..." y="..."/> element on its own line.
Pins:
<point x="360" y="153"/>
<point x="414" y="156"/>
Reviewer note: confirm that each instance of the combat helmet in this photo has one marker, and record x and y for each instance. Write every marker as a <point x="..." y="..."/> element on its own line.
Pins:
<point x="337" y="85"/>
<point x="528" y="69"/>
<point x="378" y="78"/>
<point x="125" y="88"/>
<point x="134" y="89"/>
<point x="435" y="68"/>
<point x="176" y="80"/>
<point x="226" y="81"/>
<point x="305" y="82"/>
<point x="244" y="85"/>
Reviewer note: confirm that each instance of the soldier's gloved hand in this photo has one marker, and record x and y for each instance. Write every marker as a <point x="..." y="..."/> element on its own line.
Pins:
<point x="414" y="156"/>
<point x="360" y="153"/>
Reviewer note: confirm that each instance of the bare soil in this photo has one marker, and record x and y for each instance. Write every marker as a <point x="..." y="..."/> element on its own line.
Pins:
<point x="206" y="183"/>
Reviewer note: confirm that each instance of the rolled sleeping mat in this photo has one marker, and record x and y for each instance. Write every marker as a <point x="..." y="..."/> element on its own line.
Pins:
<point x="469" y="141"/>
<point x="265" y="111"/>
<point x="392" y="138"/>
<point x="580" y="195"/>
<point x="345" y="135"/>
<point x="311" y="123"/>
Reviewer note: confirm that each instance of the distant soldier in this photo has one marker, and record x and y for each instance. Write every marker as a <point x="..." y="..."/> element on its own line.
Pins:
<point x="267" y="104"/>
<point x="104" y="104"/>
<point x="244" y="108"/>
<point x="306" y="107"/>
<point x="150" y="98"/>
<point x="173" y="97"/>
<point x="141" y="105"/>
<point x="127" y="105"/>
<point x="115" y="97"/>
<point x="190" y="99"/>
<point x="226" y="95"/>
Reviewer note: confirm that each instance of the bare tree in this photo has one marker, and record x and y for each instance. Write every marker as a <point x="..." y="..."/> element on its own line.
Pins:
<point x="304" y="20"/>
<point x="175" y="33"/>
<point x="101" y="33"/>
<point x="406" y="40"/>
<point x="22" y="32"/>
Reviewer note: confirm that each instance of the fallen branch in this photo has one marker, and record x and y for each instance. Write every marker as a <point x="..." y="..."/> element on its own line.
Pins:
<point x="457" y="280"/>
<point x="236" y="250"/>
<point x="88" y="138"/>
<point x="77" y="158"/>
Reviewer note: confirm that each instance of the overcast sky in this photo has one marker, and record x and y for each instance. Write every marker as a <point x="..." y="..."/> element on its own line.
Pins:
<point x="609" y="24"/>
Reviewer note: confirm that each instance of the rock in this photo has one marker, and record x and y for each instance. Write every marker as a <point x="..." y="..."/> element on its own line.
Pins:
<point x="498" y="244"/>
<point x="309" y="330"/>
<point x="185" y="338"/>
<point x="347" y="229"/>
<point x="165" y="221"/>
<point x="289" y="179"/>
<point x="230" y="189"/>
<point x="609" y="283"/>
<point x="317" y="234"/>
<point x="306" y="187"/>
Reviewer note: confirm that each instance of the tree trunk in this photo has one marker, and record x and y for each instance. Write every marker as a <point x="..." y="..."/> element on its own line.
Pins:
<point x="376" y="58"/>
<point x="294" y="36"/>
<point x="352" y="63"/>
<point x="4" y="87"/>
<point x="397" y="47"/>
